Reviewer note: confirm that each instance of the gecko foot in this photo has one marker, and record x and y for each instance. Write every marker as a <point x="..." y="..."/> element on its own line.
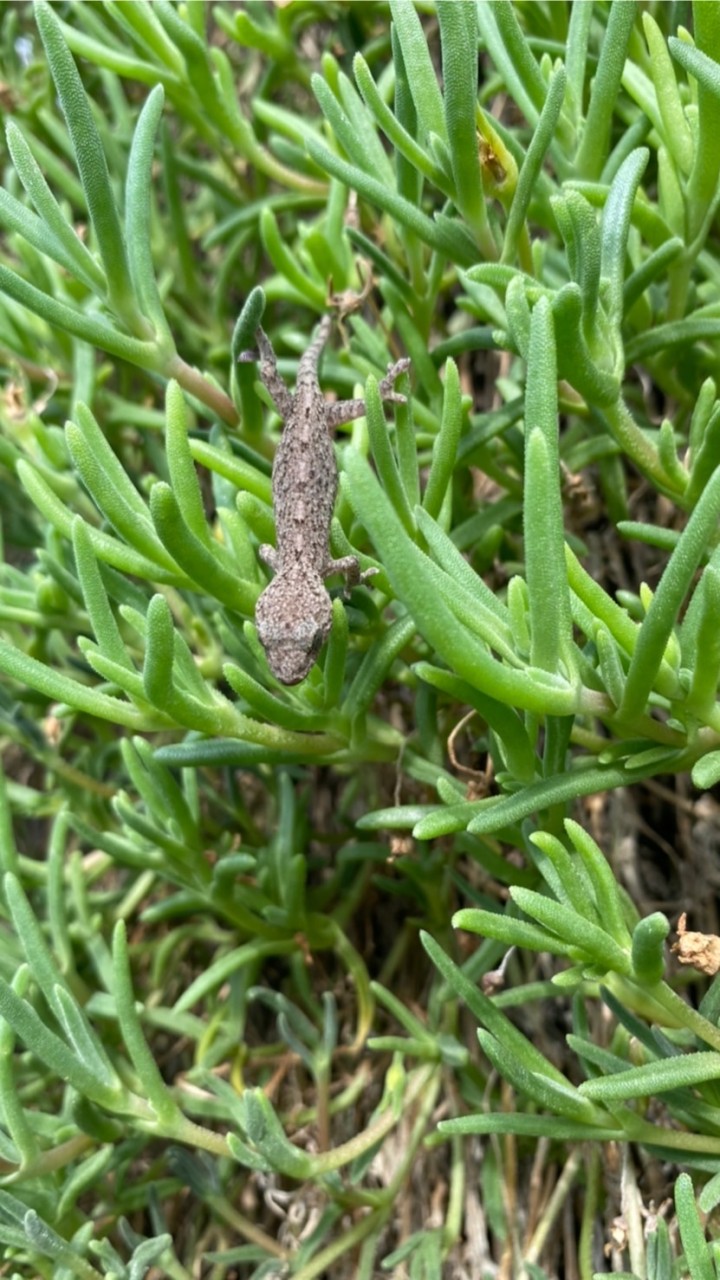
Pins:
<point x="386" y="389"/>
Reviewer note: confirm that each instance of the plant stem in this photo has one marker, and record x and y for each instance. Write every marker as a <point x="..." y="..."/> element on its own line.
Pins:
<point x="197" y="385"/>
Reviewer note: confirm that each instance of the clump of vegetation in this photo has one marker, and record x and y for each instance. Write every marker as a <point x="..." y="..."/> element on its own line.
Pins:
<point x="247" y="1028"/>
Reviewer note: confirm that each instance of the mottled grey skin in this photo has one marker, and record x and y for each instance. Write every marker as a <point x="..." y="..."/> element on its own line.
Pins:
<point x="294" y="613"/>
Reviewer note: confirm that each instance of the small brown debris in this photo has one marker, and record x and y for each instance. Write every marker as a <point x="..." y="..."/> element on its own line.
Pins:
<point x="701" y="950"/>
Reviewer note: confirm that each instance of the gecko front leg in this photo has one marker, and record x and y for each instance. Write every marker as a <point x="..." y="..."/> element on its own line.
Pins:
<point x="349" y="567"/>
<point x="347" y="411"/>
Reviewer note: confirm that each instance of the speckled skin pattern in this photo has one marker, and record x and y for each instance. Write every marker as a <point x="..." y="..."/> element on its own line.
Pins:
<point x="294" y="613"/>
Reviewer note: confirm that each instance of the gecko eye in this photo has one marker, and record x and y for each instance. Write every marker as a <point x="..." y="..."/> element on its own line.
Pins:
<point x="317" y="641"/>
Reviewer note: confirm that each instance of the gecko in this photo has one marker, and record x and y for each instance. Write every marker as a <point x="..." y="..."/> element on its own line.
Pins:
<point x="293" y="614"/>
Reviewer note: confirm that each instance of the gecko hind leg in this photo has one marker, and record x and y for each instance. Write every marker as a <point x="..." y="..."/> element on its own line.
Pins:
<point x="348" y="410"/>
<point x="270" y="375"/>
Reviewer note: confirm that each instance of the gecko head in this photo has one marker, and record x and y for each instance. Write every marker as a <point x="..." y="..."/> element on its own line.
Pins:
<point x="293" y="617"/>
